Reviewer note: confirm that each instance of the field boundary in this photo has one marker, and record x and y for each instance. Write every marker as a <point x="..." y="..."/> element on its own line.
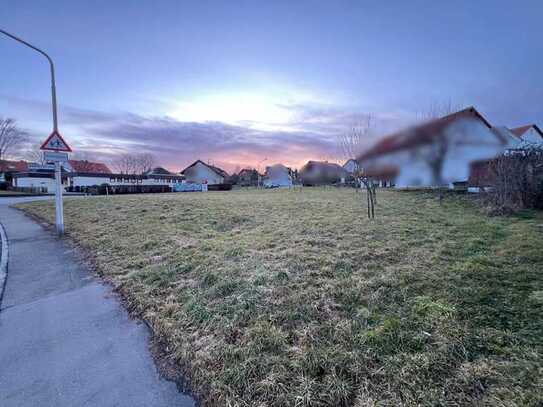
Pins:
<point x="4" y="256"/>
<point x="165" y="366"/>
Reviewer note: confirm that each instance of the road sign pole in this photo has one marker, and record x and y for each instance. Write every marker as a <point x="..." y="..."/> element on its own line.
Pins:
<point x="58" y="199"/>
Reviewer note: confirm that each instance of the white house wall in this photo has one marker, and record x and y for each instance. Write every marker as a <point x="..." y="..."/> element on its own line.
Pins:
<point x="531" y="136"/>
<point x="201" y="174"/>
<point x="32" y="182"/>
<point x="87" y="181"/>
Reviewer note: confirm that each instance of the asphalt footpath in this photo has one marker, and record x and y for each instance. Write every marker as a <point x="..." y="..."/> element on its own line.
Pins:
<point x="65" y="339"/>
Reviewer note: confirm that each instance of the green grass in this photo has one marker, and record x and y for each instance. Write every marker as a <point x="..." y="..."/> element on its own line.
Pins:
<point x="295" y="298"/>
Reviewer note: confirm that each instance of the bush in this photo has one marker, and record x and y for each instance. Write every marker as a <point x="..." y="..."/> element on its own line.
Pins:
<point x="516" y="180"/>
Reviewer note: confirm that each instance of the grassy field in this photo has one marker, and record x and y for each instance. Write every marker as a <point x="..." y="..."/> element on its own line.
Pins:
<point x="295" y="298"/>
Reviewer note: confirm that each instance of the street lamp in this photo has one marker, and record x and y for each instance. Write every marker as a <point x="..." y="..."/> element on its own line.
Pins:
<point x="58" y="174"/>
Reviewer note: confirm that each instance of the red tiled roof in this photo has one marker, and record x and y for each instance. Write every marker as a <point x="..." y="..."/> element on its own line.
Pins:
<point x="421" y="134"/>
<point x="13" y="166"/>
<point x="89" y="166"/>
<point x="519" y="131"/>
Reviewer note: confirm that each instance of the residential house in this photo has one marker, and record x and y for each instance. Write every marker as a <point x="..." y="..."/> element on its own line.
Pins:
<point x="80" y="180"/>
<point x="530" y="134"/>
<point x="248" y="177"/>
<point x="41" y="178"/>
<point x="202" y="173"/>
<point x="435" y="153"/>
<point x="277" y="176"/>
<point x="160" y="175"/>
<point x="518" y="139"/>
<point x="8" y="168"/>
<point x="77" y="175"/>
<point x="322" y="173"/>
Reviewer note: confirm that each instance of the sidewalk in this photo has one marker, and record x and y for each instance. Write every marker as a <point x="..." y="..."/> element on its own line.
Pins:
<point x="65" y="340"/>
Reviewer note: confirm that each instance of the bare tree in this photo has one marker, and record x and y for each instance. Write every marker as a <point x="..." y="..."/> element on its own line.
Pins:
<point x="35" y="155"/>
<point x="11" y="136"/>
<point x="146" y="162"/>
<point x="353" y="142"/>
<point x="134" y="163"/>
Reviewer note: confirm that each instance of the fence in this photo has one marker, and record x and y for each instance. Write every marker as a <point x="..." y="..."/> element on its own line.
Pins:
<point x="105" y="189"/>
<point x="30" y="190"/>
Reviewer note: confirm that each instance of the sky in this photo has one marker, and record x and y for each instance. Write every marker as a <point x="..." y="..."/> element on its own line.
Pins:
<point x="253" y="83"/>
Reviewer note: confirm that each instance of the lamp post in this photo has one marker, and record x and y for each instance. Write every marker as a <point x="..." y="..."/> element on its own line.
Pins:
<point x="58" y="173"/>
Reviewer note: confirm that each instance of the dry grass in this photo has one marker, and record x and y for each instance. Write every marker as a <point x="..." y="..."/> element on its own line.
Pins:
<point x="282" y="298"/>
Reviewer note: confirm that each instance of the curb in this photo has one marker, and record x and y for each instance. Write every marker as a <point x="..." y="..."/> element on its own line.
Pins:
<point x="4" y="255"/>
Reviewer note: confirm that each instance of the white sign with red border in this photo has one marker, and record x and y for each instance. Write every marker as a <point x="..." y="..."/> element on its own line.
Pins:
<point x="55" y="142"/>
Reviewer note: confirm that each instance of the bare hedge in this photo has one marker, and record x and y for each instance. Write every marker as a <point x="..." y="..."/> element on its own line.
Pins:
<point x="516" y="180"/>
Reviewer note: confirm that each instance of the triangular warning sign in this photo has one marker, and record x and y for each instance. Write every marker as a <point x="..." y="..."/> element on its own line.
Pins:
<point x="55" y="142"/>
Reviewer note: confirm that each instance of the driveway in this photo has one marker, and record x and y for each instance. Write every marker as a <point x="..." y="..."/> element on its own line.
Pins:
<point x="65" y="339"/>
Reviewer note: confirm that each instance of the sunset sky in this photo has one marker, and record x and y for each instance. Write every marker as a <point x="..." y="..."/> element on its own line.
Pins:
<point x="235" y="82"/>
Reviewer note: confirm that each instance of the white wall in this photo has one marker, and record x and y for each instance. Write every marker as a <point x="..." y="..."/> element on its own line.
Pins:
<point x="277" y="175"/>
<point x="86" y="181"/>
<point x="201" y="174"/>
<point x="531" y="136"/>
<point x="26" y="182"/>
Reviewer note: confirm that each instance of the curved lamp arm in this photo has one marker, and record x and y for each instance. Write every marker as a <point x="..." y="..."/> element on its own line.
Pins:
<point x="52" y="67"/>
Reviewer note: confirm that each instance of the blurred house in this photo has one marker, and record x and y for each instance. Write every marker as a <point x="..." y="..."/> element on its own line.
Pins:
<point x="351" y="166"/>
<point x="202" y="173"/>
<point x="248" y="177"/>
<point x="322" y="173"/>
<point x="436" y="153"/>
<point x="278" y="176"/>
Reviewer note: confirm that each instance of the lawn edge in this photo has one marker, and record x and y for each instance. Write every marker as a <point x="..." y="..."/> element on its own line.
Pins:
<point x="4" y="258"/>
<point x="157" y="346"/>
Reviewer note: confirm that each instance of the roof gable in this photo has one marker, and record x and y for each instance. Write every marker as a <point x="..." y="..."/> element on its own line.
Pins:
<point x="217" y="170"/>
<point x="519" y="131"/>
<point x="158" y="171"/>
